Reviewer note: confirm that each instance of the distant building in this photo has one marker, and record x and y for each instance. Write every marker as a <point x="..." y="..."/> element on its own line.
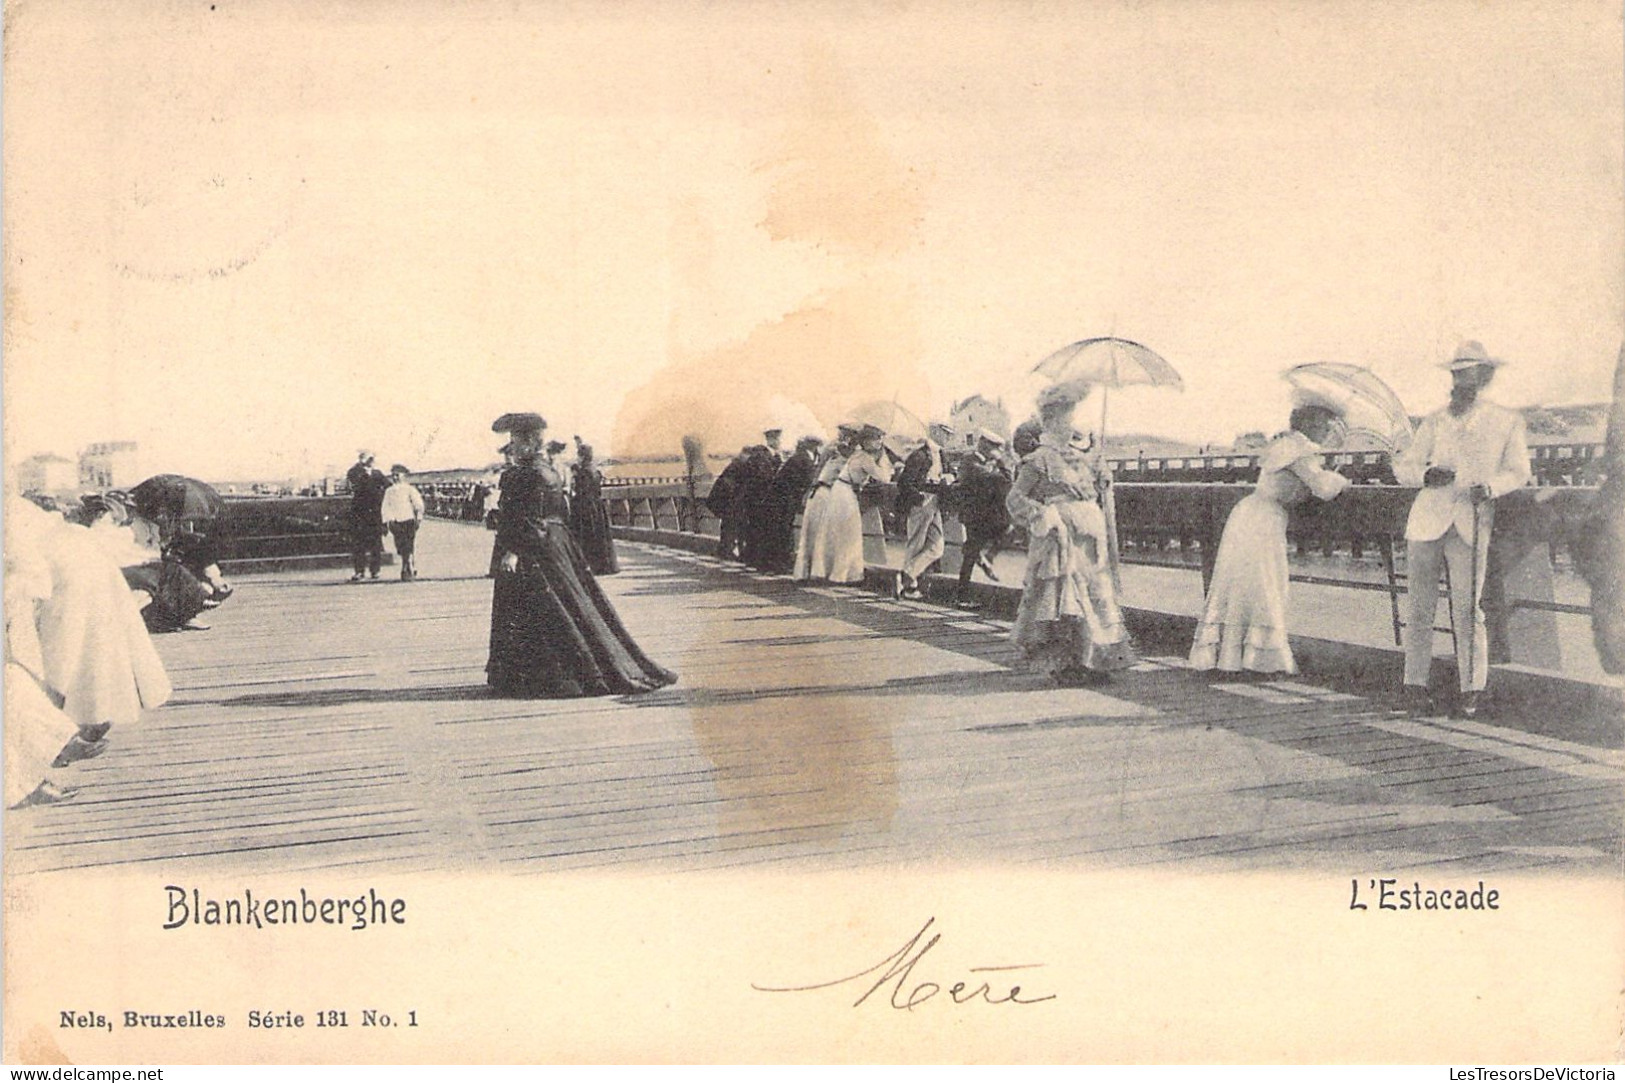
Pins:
<point x="975" y="414"/>
<point x="47" y="474"/>
<point x="113" y="464"/>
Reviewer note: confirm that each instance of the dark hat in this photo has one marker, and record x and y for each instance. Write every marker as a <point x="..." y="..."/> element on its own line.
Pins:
<point x="399" y="469"/>
<point x="1028" y="432"/>
<point x="523" y="422"/>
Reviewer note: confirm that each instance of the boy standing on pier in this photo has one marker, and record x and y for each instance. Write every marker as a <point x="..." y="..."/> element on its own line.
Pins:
<point x="401" y="512"/>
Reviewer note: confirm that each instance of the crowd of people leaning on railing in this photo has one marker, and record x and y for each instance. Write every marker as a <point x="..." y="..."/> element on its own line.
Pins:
<point x="1050" y="485"/>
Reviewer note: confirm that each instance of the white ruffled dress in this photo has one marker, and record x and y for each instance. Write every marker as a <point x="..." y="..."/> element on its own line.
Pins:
<point x="1244" y="623"/>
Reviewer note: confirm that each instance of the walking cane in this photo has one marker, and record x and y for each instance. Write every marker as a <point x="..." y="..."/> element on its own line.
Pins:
<point x="1472" y="609"/>
<point x="1108" y="499"/>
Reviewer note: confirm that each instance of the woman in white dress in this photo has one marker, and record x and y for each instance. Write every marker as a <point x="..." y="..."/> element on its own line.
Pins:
<point x="98" y="658"/>
<point x="36" y="731"/>
<point x="1068" y="624"/>
<point x="1244" y="624"/>
<point x="832" y="526"/>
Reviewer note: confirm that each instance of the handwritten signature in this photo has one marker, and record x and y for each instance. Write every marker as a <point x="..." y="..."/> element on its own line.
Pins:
<point x="906" y="994"/>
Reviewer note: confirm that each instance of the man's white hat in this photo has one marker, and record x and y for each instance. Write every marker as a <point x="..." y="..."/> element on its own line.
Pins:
<point x="1471" y="354"/>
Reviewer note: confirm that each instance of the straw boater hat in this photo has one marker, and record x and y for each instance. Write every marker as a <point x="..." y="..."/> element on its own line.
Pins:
<point x="990" y="436"/>
<point x="1471" y="354"/>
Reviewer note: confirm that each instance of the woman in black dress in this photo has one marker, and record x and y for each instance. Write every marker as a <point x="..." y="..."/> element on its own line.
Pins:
<point x="589" y="521"/>
<point x="553" y="633"/>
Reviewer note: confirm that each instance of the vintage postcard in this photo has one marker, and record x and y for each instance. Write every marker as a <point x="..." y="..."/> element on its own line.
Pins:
<point x="824" y="532"/>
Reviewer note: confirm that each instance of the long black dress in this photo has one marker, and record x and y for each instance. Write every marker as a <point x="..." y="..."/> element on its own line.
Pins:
<point x="589" y="521"/>
<point x="785" y="498"/>
<point x="751" y="505"/>
<point x="553" y="633"/>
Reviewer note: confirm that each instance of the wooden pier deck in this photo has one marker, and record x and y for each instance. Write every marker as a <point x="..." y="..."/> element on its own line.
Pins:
<point x="321" y="724"/>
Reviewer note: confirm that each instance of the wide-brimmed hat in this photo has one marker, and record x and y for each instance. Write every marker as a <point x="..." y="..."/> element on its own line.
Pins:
<point x="990" y="436"/>
<point x="1066" y="393"/>
<point x="520" y="422"/>
<point x="398" y="468"/>
<point x="1471" y="354"/>
<point x="1305" y="397"/>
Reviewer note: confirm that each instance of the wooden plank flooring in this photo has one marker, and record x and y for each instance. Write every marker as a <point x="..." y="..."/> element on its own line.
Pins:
<point x="321" y="724"/>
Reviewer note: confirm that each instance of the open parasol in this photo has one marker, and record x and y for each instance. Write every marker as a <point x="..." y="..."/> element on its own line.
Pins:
<point x="174" y="496"/>
<point x="890" y="418"/>
<point x="1367" y="404"/>
<point x="1108" y="362"/>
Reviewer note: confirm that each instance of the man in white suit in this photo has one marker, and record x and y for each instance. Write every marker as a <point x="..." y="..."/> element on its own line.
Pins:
<point x="1464" y="457"/>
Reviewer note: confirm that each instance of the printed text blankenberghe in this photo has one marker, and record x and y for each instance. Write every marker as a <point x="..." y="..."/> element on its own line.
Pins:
<point x="367" y="910"/>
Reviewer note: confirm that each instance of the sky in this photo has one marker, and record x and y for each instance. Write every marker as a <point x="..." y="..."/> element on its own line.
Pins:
<point x="255" y="237"/>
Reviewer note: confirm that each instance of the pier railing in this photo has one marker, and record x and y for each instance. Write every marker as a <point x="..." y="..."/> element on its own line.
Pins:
<point x="1179" y="525"/>
<point x="1552" y="465"/>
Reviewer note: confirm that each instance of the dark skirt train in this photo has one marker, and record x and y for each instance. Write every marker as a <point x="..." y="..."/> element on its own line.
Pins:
<point x="553" y="632"/>
<point x="589" y="522"/>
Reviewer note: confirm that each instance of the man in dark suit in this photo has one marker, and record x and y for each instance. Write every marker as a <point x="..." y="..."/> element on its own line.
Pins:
<point x="785" y="498"/>
<point x="750" y="504"/>
<point x="722" y="501"/>
<point x="367" y="486"/>
<point x="984" y="481"/>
